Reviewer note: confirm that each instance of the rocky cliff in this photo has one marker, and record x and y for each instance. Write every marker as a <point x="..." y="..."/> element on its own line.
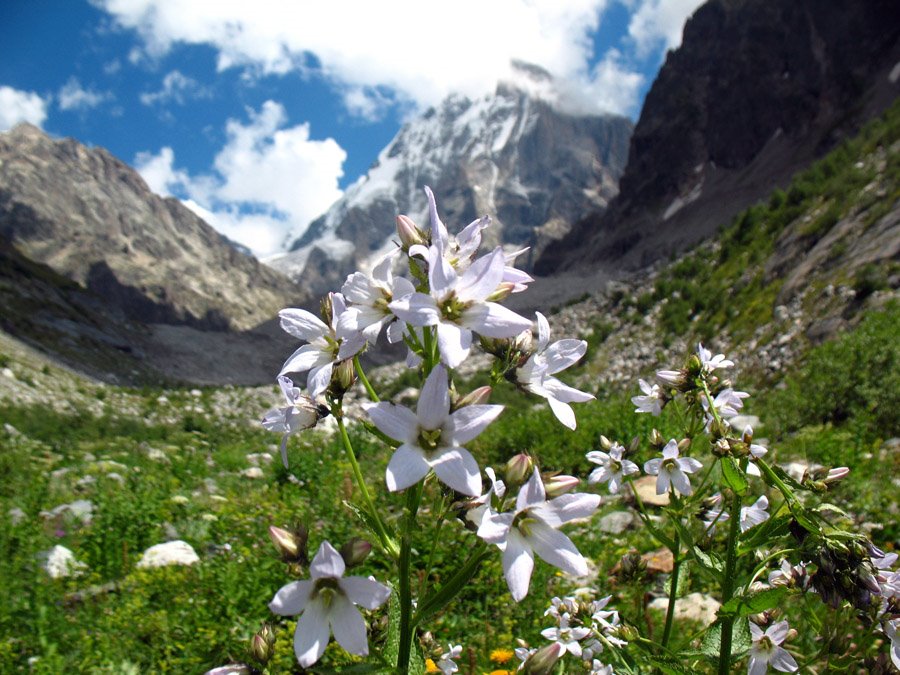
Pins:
<point x="532" y="168"/>
<point x="91" y="218"/>
<point x="756" y="91"/>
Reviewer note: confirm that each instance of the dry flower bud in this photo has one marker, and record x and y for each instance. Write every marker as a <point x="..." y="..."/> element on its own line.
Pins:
<point x="656" y="439"/>
<point x="290" y="544"/>
<point x="355" y="551"/>
<point x="684" y="444"/>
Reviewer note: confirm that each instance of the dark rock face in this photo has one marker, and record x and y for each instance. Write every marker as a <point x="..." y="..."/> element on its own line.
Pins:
<point x="756" y="91"/>
<point x="533" y="169"/>
<point x="92" y="219"/>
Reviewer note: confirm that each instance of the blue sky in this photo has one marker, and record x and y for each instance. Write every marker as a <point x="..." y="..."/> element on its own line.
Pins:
<point x="259" y="114"/>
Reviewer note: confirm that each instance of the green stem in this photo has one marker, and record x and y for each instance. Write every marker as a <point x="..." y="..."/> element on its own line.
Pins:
<point x="365" y="380"/>
<point x="387" y="543"/>
<point x="413" y="497"/>
<point x="435" y="538"/>
<point x="453" y="585"/>
<point x="728" y="584"/>
<point x="673" y="590"/>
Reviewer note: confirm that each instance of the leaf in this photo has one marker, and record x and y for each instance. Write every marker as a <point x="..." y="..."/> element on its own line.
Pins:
<point x="754" y="603"/>
<point x="369" y="522"/>
<point x="733" y="476"/>
<point x="712" y="640"/>
<point x="711" y="562"/>
<point x="787" y="479"/>
<point x="826" y="507"/>
<point x="392" y="641"/>
<point x="764" y="533"/>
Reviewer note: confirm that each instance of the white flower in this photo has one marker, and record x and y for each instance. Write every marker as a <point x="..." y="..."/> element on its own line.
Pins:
<point x="709" y="363"/>
<point x="790" y="575"/>
<point x="651" y="401"/>
<point x="327" y="344"/>
<point x="756" y="452"/>
<point x="477" y="507"/>
<point x="672" y="469"/>
<point x="446" y="664"/>
<point x="559" y="606"/>
<point x="890" y="629"/>
<point x="369" y="297"/>
<point x="300" y="413"/>
<point x="533" y="528"/>
<point x="567" y="637"/>
<point x="432" y="437"/>
<point x="612" y="467"/>
<point x="326" y="602"/>
<point x="458" y="304"/>
<point x="599" y="668"/>
<point x="607" y="620"/>
<point x="536" y="374"/>
<point x="727" y="403"/>
<point x="755" y="514"/>
<point x="766" y="649"/>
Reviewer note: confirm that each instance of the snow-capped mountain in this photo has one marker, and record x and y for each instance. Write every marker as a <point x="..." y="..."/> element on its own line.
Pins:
<point x="511" y="155"/>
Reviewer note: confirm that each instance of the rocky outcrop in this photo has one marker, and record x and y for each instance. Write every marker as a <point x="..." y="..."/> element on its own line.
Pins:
<point x="91" y="218"/>
<point x="755" y="92"/>
<point x="532" y="168"/>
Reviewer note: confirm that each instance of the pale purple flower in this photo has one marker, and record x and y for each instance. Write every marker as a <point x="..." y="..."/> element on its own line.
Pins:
<point x="727" y="403"/>
<point x="536" y="375"/>
<point x="766" y="650"/>
<point x="607" y="620"/>
<point x="754" y="514"/>
<point x="612" y="467"/>
<point x="327" y="344"/>
<point x="301" y="412"/>
<point x="326" y="602"/>
<point x="369" y="297"/>
<point x="891" y="631"/>
<point x="458" y="305"/>
<point x="756" y="452"/>
<point x="651" y="401"/>
<point x="432" y="437"/>
<point x="672" y="469"/>
<point x="559" y="606"/>
<point x="709" y="363"/>
<point x="599" y="668"/>
<point x="446" y="663"/>
<point x="533" y="528"/>
<point x="790" y="575"/>
<point x="568" y="637"/>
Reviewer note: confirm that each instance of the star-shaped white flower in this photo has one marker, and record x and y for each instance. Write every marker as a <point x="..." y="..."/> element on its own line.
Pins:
<point x="612" y="467"/>
<point x="533" y="528"/>
<point x="326" y="602"/>
<point x="709" y="363"/>
<point x="569" y="637"/>
<point x="766" y="650"/>
<point x="446" y="663"/>
<point x="432" y="437"/>
<point x="327" y="344"/>
<point x="369" y="297"/>
<point x="536" y="375"/>
<point x="651" y="401"/>
<point x="672" y="469"/>
<point x="300" y="413"/>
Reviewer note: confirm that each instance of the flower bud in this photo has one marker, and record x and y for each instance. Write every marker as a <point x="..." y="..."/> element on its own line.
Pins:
<point x="657" y="440"/>
<point x="628" y="633"/>
<point x="290" y="544"/>
<point x="684" y="444"/>
<point x="836" y="474"/>
<point x="672" y="379"/>
<point x="409" y="233"/>
<point x="605" y="443"/>
<point x="262" y="645"/>
<point x="694" y="366"/>
<point x="633" y="445"/>
<point x="355" y="551"/>
<point x="343" y="376"/>
<point x="721" y="448"/>
<point x="556" y="485"/>
<point x="747" y="436"/>
<point x="478" y="396"/>
<point x="543" y="660"/>
<point x="518" y="469"/>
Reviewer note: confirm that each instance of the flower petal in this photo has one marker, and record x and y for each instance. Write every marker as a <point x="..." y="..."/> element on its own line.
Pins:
<point x="518" y="564"/>
<point x="407" y="467"/>
<point x="311" y="636"/>
<point x="471" y="420"/>
<point x="494" y="528"/>
<point x="318" y="379"/>
<point x="493" y="320"/>
<point x="348" y="626"/>
<point x="566" y="508"/>
<point x="482" y="278"/>
<point x="556" y="548"/>
<point x="564" y="353"/>
<point x="417" y="309"/>
<point x="395" y="421"/>
<point x="457" y="468"/>
<point x="563" y="412"/>
<point x="531" y="494"/>
<point x="434" y="400"/>
<point x="358" y="289"/>
<point x="454" y="343"/>
<point x="543" y="332"/>
<point x="308" y="356"/>
<point x="327" y="563"/>
<point x="301" y="324"/>
<point x="783" y="661"/>
<point x="291" y="599"/>
<point x="364" y="592"/>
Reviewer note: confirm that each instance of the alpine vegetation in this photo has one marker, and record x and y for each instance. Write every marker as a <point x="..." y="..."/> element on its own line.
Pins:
<point x="767" y="547"/>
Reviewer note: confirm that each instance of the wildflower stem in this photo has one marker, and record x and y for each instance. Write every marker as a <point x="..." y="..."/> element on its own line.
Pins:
<point x="435" y="538"/>
<point x="365" y="380"/>
<point x="453" y="585"/>
<point x="413" y="497"/>
<point x="673" y="587"/>
<point x="387" y="543"/>
<point x="728" y="584"/>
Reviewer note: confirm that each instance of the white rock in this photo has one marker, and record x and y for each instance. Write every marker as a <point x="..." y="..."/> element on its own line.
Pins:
<point x="616" y="522"/>
<point x="196" y="393"/>
<point x="257" y="457"/>
<point x="170" y="553"/>
<point x="60" y="562"/>
<point x="157" y="455"/>
<point x="8" y="373"/>
<point x="80" y="508"/>
<point x="252" y="472"/>
<point x="693" y="607"/>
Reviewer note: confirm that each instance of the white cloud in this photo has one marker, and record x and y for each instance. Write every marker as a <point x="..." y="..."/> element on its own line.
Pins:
<point x="418" y="54"/>
<point x="72" y="96"/>
<point x="269" y="180"/>
<point x="659" y="23"/>
<point x="20" y="106"/>
<point x="177" y="87"/>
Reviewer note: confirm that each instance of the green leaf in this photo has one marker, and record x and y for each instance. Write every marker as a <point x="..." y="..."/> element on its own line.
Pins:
<point x="733" y="476"/>
<point x="786" y="478"/>
<point x="754" y="603"/>
<point x="392" y="640"/>
<point x="711" y="562"/>
<point x="712" y="640"/>
<point x="764" y="533"/>
<point x="370" y="524"/>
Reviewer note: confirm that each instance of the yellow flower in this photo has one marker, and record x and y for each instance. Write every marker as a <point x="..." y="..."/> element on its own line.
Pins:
<point x="430" y="667"/>
<point x="501" y="655"/>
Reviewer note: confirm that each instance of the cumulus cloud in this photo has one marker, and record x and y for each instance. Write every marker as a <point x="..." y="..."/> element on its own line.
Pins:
<point x="269" y="180"/>
<point x="176" y="87"/>
<point x="658" y="23"/>
<point x="420" y="57"/>
<point x="73" y="96"/>
<point x="20" y="106"/>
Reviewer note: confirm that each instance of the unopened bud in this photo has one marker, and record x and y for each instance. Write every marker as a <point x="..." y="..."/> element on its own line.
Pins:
<point x="355" y="551"/>
<point x="634" y="445"/>
<point x="694" y="366"/>
<point x="409" y="233"/>
<point x="478" y="396"/>
<point x="605" y="443"/>
<point x="672" y="379"/>
<point x="747" y="436"/>
<point x="290" y="544"/>
<point x="656" y="439"/>
<point x="343" y="376"/>
<point x="684" y="444"/>
<point x="261" y="648"/>
<point x="543" y="660"/>
<point x="267" y="633"/>
<point x="499" y="347"/>
<point x="518" y="469"/>
<point x="627" y="633"/>
<point x="721" y="448"/>
<point x="791" y="635"/>
<point x="836" y="474"/>
<point x="557" y="485"/>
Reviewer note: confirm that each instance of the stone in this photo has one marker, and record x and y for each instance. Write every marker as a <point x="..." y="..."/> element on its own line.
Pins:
<point x="616" y="522"/>
<point x="252" y="472"/>
<point x="176" y="552"/>
<point x="60" y="562"/>
<point x="660" y="561"/>
<point x="645" y="487"/>
<point x="692" y="607"/>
